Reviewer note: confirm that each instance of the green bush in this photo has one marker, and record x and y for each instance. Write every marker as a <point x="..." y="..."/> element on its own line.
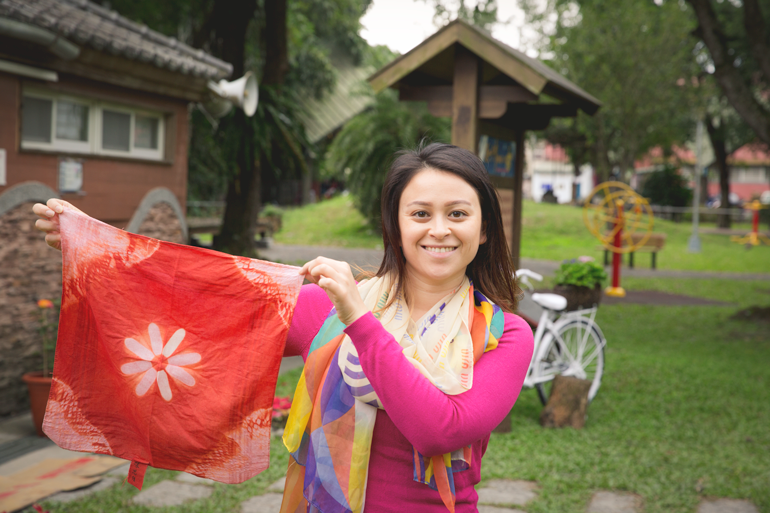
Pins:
<point x="667" y="187"/>
<point x="271" y="210"/>
<point x="580" y="274"/>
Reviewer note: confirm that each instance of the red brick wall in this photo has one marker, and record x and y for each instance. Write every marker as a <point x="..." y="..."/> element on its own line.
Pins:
<point x="113" y="187"/>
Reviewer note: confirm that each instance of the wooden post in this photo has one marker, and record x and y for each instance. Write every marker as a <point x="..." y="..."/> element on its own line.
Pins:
<point x="518" y="192"/>
<point x="465" y="100"/>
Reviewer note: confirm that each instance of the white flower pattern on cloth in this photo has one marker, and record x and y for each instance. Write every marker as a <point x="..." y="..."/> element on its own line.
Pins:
<point x="159" y="363"/>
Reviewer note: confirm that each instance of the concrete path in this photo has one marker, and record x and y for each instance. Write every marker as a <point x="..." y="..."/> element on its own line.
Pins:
<point x="370" y="259"/>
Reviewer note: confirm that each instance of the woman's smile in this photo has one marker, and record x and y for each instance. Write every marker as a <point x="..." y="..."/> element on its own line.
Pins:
<point x="440" y="250"/>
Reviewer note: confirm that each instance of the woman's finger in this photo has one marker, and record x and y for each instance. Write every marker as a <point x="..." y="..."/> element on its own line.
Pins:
<point x="43" y="211"/>
<point x="53" y="240"/>
<point x="46" y="226"/>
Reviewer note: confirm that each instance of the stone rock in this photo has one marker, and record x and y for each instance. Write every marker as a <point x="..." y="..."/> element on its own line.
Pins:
<point x="277" y="486"/>
<point x="268" y="503"/>
<point x="169" y="493"/>
<point x="727" y="506"/>
<point x="611" y="502"/>
<point x="184" y="477"/>
<point x="501" y="492"/>
<point x="74" y="495"/>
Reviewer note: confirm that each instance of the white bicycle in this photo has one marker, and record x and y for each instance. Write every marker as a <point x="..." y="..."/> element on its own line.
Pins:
<point x="566" y="343"/>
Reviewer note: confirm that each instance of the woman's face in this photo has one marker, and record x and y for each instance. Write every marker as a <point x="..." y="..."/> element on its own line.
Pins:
<point x="439" y="215"/>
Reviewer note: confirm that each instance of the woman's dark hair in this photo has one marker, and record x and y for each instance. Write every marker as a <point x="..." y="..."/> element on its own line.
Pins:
<point x="490" y="271"/>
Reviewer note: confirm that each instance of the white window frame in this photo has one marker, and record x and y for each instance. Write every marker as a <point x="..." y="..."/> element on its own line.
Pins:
<point x="94" y="143"/>
<point x="56" y="144"/>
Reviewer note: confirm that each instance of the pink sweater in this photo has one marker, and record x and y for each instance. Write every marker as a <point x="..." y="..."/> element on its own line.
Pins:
<point x="418" y="414"/>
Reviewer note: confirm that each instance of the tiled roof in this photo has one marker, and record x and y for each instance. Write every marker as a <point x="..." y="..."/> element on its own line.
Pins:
<point x="85" y="23"/>
<point x="348" y="98"/>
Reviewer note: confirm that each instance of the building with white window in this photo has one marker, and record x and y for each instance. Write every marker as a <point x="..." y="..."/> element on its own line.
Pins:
<point x="95" y="106"/>
<point x="93" y="109"/>
<point x="548" y="168"/>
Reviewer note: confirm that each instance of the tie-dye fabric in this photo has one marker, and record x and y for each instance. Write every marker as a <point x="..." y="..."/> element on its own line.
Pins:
<point x="330" y="426"/>
<point x="167" y="355"/>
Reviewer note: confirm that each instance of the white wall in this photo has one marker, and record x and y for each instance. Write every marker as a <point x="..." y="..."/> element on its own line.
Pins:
<point x="559" y="177"/>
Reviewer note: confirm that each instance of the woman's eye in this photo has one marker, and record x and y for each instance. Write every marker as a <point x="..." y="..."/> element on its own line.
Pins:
<point x="421" y="214"/>
<point x="457" y="213"/>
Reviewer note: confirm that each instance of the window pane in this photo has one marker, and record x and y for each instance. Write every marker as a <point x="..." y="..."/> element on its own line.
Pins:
<point x="36" y="120"/>
<point x="116" y="129"/>
<point x="146" y="133"/>
<point x="71" y="121"/>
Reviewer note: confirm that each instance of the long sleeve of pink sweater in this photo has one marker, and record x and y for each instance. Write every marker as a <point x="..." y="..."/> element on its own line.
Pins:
<point x="416" y="414"/>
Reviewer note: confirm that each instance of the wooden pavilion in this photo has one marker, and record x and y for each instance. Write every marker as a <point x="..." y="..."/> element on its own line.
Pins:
<point x="487" y="88"/>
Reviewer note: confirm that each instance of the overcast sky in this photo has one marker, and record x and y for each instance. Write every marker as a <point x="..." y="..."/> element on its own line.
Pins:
<point x="403" y="24"/>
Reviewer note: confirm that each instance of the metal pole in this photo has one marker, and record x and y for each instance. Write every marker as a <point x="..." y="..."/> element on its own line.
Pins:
<point x="693" y="245"/>
<point x="616" y="290"/>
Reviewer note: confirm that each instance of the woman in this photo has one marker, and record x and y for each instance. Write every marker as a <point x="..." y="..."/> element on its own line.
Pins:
<point x="398" y="396"/>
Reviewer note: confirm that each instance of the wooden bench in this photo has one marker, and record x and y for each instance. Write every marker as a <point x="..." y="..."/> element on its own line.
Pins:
<point x="265" y="227"/>
<point x="654" y="244"/>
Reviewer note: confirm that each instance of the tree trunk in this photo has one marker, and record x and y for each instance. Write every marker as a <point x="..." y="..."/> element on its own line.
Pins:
<point x="244" y="188"/>
<point x="243" y="203"/>
<point x="567" y="404"/>
<point x="733" y="85"/>
<point x="716" y="135"/>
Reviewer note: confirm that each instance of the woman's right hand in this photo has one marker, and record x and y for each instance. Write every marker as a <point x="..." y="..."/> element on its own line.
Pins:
<point x="48" y="222"/>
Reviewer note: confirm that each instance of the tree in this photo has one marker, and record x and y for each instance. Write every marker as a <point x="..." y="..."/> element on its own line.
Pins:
<point x="361" y="153"/>
<point x="667" y="187"/>
<point x="483" y="14"/>
<point x="280" y="41"/>
<point x="630" y="55"/>
<point x="727" y="132"/>
<point x="739" y="47"/>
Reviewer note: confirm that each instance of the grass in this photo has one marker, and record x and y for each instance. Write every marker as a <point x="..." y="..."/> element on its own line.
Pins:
<point x="549" y="232"/>
<point x="681" y="415"/>
<point x="683" y="407"/>
<point x="334" y="222"/>
<point x="557" y="232"/>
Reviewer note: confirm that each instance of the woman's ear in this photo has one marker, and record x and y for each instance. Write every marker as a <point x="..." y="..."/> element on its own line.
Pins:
<point x="483" y="237"/>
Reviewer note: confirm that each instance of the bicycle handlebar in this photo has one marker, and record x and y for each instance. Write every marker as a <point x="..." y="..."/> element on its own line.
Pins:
<point x="526" y="273"/>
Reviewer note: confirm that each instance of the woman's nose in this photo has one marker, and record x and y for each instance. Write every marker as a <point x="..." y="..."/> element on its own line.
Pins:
<point x="439" y="228"/>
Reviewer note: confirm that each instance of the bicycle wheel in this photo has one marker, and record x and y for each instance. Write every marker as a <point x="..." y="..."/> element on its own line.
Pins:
<point x="576" y="350"/>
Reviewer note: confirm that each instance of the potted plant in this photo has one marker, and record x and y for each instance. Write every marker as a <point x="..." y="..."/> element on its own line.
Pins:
<point x="580" y="281"/>
<point x="39" y="382"/>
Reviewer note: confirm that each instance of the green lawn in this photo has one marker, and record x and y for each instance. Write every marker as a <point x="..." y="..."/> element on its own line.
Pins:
<point x="557" y="232"/>
<point x="550" y="232"/>
<point x="683" y="404"/>
<point x="682" y="414"/>
<point x="334" y="222"/>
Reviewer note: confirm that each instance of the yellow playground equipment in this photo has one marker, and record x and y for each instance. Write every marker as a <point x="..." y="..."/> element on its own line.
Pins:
<point x="613" y="213"/>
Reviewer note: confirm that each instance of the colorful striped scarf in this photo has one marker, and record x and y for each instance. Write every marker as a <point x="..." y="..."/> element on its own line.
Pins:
<point x="334" y="399"/>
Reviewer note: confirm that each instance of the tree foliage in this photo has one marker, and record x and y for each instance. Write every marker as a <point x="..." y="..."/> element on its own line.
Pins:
<point x="288" y="45"/>
<point x="738" y="43"/>
<point x="363" y="150"/>
<point x="667" y="187"/>
<point x="631" y="56"/>
<point x="482" y="14"/>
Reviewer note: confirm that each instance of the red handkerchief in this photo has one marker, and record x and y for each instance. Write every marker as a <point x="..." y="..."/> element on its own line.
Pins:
<point x="167" y="354"/>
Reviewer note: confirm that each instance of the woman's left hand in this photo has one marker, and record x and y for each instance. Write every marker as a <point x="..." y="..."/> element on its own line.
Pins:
<point x="337" y="280"/>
